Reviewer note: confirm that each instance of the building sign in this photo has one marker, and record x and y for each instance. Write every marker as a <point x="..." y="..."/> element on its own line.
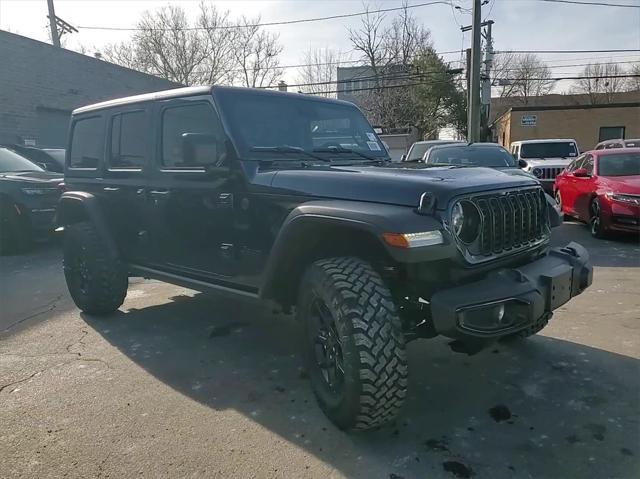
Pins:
<point x="528" y="120"/>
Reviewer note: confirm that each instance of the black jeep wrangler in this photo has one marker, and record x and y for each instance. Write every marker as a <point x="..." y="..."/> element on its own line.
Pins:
<point x="292" y="198"/>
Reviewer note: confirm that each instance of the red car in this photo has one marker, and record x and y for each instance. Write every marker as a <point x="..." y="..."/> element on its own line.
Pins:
<point x="602" y="187"/>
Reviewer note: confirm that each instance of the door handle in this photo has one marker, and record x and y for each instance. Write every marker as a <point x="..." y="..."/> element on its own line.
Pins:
<point x="110" y="189"/>
<point x="160" y="193"/>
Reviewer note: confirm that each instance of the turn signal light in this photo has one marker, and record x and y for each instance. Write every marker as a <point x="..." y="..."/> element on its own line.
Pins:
<point x="413" y="240"/>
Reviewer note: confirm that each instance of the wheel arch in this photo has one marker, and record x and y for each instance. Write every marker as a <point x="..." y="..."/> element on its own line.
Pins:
<point x="79" y="206"/>
<point x="309" y="238"/>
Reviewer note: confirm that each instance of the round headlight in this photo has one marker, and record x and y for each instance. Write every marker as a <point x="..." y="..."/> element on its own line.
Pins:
<point x="537" y="172"/>
<point x="457" y="219"/>
<point x="465" y="221"/>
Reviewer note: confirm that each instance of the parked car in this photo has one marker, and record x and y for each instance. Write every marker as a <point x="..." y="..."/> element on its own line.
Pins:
<point x="488" y="155"/>
<point x="28" y="199"/>
<point x="248" y="192"/>
<point x="602" y="188"/>
<point x="619" y="143"/>
<point x="49" y="159"/>
<point x="544" y="159"/>
<point x="419" y="148"/>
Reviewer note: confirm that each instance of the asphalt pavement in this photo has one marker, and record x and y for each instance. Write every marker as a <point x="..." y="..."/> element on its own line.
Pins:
<point x="183" y="384"/>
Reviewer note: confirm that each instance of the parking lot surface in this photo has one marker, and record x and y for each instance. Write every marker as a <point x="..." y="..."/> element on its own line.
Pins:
<point x="182" y="384"/>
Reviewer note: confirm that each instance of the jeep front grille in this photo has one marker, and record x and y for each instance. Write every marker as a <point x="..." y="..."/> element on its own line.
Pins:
<point x="510" y="222"/>
<point x="549" y="173"/>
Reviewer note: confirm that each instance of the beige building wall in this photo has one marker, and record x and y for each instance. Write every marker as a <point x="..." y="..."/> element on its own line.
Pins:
<point x="582" y="124"/>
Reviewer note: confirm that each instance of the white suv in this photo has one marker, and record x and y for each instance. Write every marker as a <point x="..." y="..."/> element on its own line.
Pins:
<point x="545" y="159"/>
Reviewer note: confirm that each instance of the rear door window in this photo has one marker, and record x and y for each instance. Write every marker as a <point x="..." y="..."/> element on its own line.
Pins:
<point x="128" y="140"/>
<point x="87" y="143"/>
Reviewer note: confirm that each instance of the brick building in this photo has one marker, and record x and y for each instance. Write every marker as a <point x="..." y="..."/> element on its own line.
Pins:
<point x="567" y="116"/>
<point x="40" y="85"/>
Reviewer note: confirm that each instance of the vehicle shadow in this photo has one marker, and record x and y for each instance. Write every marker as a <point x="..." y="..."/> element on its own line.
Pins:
<point x="617" y="250"/>
<point x="543" y="408"/>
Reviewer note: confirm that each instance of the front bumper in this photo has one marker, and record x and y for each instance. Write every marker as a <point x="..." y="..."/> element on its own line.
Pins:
<point x="509" y="300"/>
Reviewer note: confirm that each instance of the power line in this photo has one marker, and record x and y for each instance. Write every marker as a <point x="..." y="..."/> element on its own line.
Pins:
<point x="424" y="76"/>
<point x="405" y="85"/>
<point x="619" y="50"/>
<point x="281" y="22"/>
<point x="595" y="4"/>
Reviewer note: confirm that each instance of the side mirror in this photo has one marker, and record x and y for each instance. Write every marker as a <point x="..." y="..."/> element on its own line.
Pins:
<point x="581" y="173"/>
<point x="43" y="166"/>
<point x="194" y="142"/>
<point x="522" y="163"/>
<point x="403" y="157"/>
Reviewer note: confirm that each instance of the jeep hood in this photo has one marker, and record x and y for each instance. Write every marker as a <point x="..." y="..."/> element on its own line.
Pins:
<point x="548" y="162"/>
<point x="394" y="185"/>
<point x="40" y="177"/>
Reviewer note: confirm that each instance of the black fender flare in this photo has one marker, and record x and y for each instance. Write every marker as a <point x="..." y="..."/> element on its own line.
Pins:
<point x="77" y="206"/>
<point x="365" y="218"/>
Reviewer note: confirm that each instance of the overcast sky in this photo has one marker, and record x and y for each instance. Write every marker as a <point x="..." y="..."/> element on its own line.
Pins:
<point x="520" y="24"/>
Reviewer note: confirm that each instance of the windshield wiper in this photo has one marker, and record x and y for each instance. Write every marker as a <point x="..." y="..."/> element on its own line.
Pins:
<point x="335" y="149"/>
<point x="450" y="166"/>
<point x="287" y="149"/>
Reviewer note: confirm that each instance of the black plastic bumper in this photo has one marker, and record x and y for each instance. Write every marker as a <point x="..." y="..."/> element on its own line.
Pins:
<point x="508" y="300"/>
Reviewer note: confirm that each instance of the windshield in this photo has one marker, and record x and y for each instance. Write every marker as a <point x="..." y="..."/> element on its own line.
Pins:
<point x="264" y="124"/>
<point x="623" y="164"/>
<point x="10" y="161"/>
<point x="57" y="155"/>
<point x="549" y="150"/>
<point x="417" y="151"/>
<point x="471" y="156"/>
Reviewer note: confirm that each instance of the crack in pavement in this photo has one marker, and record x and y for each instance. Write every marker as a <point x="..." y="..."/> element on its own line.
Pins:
<point x="2" y="388"/>
<point x="77" y="357"/>
<point x="50" y="306"/>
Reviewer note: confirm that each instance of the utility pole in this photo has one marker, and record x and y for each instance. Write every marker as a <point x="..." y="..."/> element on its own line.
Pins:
<point x="55" y="38"/>
<point x="473" y="121"/>
<point x="486" y="80"/>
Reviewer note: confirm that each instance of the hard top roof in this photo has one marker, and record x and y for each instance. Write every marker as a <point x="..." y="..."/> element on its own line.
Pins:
<point x="198" y="90"/>
<point x="549" y="140"/>
<point x="614" y="151"/>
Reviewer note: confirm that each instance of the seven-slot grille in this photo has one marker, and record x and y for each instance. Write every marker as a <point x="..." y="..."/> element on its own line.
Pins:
<point x="548" y="172"/>
<point x="511" y="220"/>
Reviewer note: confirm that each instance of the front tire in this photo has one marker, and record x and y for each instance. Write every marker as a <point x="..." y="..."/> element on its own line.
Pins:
<point x="354" y="343"/>
<point x="96" y="281"/>
<point x="596" y="225"/>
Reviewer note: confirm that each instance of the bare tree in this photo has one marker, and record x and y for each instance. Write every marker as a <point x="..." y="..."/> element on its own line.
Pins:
<point x="319" y="71"/>
<point x="523" y="76"/>
<point x="256" y="54"/>
<point x="633" y="83"/>
<point x="601" y="84"/>
<point x="218" y="66"/>
<point x="214" y="50"/>
<point x="369" y="40"/>
<point x="390" y="52"/>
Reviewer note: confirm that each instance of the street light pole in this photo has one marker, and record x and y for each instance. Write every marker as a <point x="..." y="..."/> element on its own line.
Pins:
<point x="55" y="38"/>
<point x="473" y="121"/>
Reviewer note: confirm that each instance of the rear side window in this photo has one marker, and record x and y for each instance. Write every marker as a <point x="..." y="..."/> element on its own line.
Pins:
<point x="128" y="140"/>
<point x="87" y="143"/>
<point x="192" y="137"/>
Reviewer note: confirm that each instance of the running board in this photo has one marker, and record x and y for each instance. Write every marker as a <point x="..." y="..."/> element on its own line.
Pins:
<point x="198" y="285"/>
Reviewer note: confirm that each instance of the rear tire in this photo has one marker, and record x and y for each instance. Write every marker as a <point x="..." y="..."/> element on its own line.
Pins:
<point x="354" y="343"/>
<point x="96" y="281"/>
